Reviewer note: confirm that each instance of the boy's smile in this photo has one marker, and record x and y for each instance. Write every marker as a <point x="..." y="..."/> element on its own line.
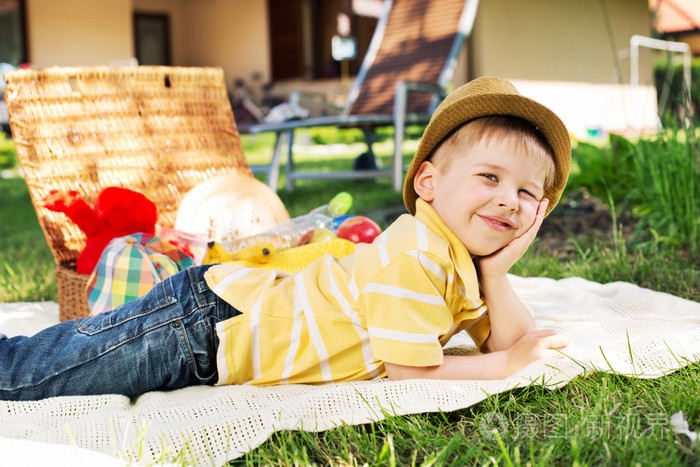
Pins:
<point x="487" y="197"/>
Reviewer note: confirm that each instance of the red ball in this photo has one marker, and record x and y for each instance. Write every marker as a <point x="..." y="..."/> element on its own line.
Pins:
<point x="358" y="229"/>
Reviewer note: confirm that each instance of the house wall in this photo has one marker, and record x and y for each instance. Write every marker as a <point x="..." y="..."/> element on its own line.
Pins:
<point x="557" y="40"/>
<point x="558" y="51"/>
<point x="231" y="34"/>
<point x="78" y="32"/>
<point x="527" y="43"/>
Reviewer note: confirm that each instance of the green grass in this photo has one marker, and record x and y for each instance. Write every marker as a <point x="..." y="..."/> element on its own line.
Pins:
<point x="26" y="263"/>
<point x="597" y="418"/>
<point x="663" y="270"/>
<point x="8" y="158"/>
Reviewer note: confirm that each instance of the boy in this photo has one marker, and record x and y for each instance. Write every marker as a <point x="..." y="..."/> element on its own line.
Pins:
<point x="490" y="165"/>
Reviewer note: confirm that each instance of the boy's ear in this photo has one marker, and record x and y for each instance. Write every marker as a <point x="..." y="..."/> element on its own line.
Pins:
<point x="424" y="181"/>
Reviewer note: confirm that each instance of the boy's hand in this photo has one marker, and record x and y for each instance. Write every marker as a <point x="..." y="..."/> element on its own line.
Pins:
<point x="533" y="346"/>
<point x="502" y="260"/>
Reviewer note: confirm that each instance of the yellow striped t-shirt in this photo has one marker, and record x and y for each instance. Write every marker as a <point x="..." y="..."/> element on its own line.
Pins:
<point x="396" y="300"/>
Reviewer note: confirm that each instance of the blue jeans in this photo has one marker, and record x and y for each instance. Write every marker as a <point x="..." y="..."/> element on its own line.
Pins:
<point x="163" y="340"/>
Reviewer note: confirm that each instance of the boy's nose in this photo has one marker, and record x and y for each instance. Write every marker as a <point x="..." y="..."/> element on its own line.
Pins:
<point x="507" y="200"/>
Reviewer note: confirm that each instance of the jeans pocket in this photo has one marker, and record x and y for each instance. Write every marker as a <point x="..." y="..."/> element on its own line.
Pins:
<point x="142" y="308"/>
<point x="200" y="344"/>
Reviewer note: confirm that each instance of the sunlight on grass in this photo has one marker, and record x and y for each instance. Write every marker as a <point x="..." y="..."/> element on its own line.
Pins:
<point x="258" y="150"/>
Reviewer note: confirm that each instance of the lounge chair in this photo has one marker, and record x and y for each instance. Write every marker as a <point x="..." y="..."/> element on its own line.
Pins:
<point x="410" y="61"/>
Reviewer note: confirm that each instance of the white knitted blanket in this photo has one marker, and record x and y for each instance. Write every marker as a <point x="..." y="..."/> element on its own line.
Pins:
<point x="613" y="327"/>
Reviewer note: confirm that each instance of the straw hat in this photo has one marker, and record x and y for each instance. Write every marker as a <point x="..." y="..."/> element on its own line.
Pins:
<point x="485" y="97"/>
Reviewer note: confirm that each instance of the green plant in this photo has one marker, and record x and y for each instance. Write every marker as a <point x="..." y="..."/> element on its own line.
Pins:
<point x="655" y="179"/>
<point x="605" y="171"/>
<point x="667" y="201"/>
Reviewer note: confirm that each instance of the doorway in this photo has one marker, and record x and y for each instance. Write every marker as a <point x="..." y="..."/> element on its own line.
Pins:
<point x="152" y="39"/>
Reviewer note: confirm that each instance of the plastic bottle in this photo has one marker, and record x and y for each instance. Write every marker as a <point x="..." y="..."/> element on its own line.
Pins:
<point x="289" y="233"/>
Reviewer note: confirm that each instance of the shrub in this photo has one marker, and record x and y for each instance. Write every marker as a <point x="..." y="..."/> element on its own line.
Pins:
<point x="8" y="157"/>
<point x="333" y="135"/>
<point x="671" y="90"/>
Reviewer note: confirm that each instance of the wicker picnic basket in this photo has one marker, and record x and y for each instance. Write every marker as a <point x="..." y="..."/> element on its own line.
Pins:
<point x="157" y="130"/>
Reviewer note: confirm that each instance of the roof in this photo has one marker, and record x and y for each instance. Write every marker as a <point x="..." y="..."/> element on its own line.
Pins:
<point x="675" y="16"/>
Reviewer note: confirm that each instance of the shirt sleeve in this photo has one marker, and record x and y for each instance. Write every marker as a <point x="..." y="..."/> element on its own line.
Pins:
<point x="406" y="312"/>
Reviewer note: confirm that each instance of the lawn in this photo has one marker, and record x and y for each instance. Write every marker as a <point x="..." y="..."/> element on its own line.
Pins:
<point x="597" y="418"/>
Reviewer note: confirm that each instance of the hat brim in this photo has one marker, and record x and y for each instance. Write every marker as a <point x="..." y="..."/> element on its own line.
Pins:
<point x="463" y="109"/>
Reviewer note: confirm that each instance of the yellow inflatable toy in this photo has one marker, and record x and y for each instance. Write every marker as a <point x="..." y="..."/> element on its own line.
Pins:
<point x="289" y="260"/>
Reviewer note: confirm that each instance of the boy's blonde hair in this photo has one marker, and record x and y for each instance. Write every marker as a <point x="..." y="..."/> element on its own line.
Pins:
<point x="521" y="134"/>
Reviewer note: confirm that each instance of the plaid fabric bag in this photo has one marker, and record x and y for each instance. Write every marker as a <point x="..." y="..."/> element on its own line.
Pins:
<point x="129" y="267"/>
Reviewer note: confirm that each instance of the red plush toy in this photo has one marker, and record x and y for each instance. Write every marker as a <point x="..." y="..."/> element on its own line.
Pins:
<point x="117" y="212"/>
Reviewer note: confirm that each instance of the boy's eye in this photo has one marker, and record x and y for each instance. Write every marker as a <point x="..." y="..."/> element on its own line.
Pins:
<point x="528" y="194"/>
<point x="491" y="177"/>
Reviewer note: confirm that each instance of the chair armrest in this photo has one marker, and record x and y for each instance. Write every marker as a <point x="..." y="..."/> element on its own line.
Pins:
<point x="403" y="87"/>
<point x="330" y="101"/>
<point x="423" y="87"/>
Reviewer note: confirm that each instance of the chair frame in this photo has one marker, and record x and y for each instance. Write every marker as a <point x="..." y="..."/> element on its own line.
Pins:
<point x="399" y="119"/>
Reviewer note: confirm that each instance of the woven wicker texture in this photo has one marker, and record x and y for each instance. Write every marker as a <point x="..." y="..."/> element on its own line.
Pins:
<point x="157" y="130"/>
<point x="72" y="298"/>
<point x="613" y="327"/>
